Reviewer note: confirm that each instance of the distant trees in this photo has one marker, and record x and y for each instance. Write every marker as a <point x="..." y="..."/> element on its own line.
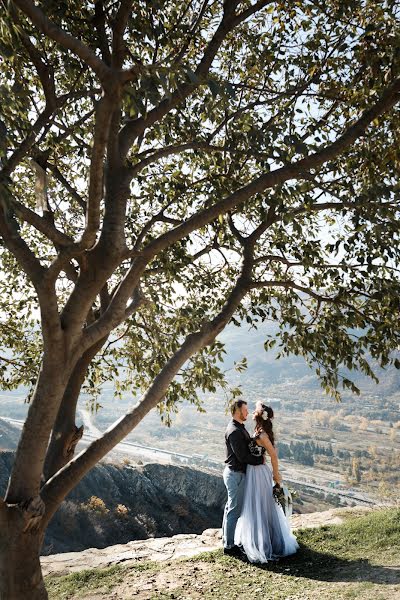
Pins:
<point x="325" y="418"/>
<point x="362" y="424"/>
<point x="303" y="452"/>
<point x="321" y="417"/>
<point x="97" y="505"/>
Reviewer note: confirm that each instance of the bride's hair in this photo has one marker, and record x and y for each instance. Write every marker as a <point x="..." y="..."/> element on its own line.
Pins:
<point x="263" y="415"/>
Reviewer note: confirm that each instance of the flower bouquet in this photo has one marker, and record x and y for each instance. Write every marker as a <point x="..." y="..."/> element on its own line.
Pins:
<point x="283" y="497"/>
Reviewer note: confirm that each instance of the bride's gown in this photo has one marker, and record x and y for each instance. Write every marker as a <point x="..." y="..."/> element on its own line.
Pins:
<point x="263" y="529"/>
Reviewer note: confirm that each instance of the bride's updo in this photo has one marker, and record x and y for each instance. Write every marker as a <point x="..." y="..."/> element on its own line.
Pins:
<point x="262" y="416"/>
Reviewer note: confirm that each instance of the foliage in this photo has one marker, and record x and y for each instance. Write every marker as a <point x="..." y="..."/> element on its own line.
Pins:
<point x="97" y="505"/>
<point x="169" y="168"/>
<point x="286" y="84"/>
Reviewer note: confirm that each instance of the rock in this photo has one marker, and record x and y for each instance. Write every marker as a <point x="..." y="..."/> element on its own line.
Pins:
<point x="335" y="516"/>
<point x="165" y="549"/>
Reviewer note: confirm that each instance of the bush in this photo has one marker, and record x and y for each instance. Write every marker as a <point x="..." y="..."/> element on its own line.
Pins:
<point x="121" y="511"/>
<point x="96" y="504"/>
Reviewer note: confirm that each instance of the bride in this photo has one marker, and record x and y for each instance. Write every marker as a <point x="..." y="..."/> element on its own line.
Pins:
<point x="263" y="531"/>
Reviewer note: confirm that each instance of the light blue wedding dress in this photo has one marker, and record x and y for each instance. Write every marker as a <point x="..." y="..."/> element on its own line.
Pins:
<point x="263" y="530"/>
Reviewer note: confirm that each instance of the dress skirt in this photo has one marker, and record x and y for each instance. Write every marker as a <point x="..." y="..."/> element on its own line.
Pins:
<point x="263" y="529"/>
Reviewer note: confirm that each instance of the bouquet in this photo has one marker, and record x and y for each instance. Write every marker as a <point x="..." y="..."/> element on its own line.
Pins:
<point x="283" y="497"/>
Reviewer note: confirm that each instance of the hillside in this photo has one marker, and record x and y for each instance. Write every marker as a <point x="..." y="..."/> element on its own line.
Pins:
<point x="264" y="369"/>
<point x="357" y="559"/>
<point x="9" y="436"/>
<point x="115" y="504"/>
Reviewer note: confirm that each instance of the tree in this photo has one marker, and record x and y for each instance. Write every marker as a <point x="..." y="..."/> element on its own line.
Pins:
<point x="355" y="469"/>
<point x="168" y="168"/>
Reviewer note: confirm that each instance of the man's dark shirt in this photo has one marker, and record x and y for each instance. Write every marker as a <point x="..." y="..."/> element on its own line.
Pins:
<point x="238" y="455"/>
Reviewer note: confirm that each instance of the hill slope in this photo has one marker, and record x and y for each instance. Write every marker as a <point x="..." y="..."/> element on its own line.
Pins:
<point x="357" y="559"/>
<point x="9" y="436"/>
<point x="115" y="504"/>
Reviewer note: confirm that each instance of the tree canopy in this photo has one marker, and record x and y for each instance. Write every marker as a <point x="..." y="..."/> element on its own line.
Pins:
<point x="170" y="167"/>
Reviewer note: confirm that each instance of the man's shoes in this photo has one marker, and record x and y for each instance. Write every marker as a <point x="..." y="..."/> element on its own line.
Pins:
<point x="233" y="551"/>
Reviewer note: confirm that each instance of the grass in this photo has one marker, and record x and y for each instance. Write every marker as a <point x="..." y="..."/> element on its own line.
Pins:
<point x="355" y="560"/>
<point x="92" y="580"/>
<point x="358" y="538"/>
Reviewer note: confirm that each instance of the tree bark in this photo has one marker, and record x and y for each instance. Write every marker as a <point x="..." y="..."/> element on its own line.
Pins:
<point x="66" y="435"/>
<point x="20" y="571"/>
<point x="28" y="465"/>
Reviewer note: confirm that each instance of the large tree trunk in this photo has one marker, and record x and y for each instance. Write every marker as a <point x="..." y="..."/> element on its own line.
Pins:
<point x="20" y="570"/>
<point x="66" y="435"/>
<point x="27" y="470"/>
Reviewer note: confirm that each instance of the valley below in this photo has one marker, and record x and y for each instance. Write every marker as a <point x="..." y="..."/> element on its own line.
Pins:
<point x="161" y="481"/>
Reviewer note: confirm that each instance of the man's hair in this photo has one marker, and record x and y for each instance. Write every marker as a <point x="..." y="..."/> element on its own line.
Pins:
<point x="236" y="405"/>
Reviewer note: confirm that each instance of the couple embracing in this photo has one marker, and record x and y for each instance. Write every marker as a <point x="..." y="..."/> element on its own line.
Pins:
<point x="254" y="523"/>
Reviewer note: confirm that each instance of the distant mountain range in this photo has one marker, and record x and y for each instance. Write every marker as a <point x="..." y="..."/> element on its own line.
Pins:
<point x="265" y="369"/>
<point x="288" y="377"/>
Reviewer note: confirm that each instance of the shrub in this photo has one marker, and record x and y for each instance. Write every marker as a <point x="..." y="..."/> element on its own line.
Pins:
<point x="96" y="504"/>
<point x="121" y="511"/>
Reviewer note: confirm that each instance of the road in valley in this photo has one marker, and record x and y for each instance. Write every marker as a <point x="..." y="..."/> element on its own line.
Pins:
<point x="309" y="477"/>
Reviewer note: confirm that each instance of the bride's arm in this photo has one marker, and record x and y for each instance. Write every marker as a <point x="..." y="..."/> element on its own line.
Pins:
<point x="264" y="441"/>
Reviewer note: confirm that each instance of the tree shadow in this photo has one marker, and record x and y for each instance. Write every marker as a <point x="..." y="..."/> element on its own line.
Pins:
<point x="319" y="566"/>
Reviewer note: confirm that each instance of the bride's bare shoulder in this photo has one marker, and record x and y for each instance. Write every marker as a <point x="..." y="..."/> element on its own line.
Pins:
<point x="263" y="440"/>
<point x="261" y="436"/>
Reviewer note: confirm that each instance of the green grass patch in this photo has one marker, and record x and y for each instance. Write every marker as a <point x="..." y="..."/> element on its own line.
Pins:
<point x="358" y="538"/>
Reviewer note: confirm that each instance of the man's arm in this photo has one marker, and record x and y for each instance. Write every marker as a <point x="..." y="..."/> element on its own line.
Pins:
<point x="241" y="449"/>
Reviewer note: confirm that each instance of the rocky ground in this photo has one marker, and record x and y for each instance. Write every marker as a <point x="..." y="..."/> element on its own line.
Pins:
<point x="353" y="555"/>
<point x="167" y="548"/>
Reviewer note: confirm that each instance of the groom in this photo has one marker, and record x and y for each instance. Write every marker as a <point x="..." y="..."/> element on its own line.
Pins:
<point x="238" y="456"/>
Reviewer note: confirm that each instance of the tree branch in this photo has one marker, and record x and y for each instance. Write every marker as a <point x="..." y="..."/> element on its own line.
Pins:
<point x="61" y="450"/>
<point x="120" y="23"/>
<point x="19" y="154"/>
<point x="66" y="131"/>
<point x="190" y="34"/>
<point x="289" y="284"/>
<point x="236" y="233"/>
<point x="113" y="316"/>
<point x="14" y="242"/>
<point x="56" y="33"/>
<point x="104" y="112"/>
<point x="43" y="225"/>
<point x="43" y="121"/>
<point x="336" y="299"/>
<point x="63" y="481"/>
<point x="9" y="361"/>
<point x="176" y="149"/>
<point x="229" y="21"/>
<point x="99" y="22"/>
<point x="321" y="206"/>
<point x="45" y="72"/>
<point x="60" y="177"/>
<point x="291" y="171"/>
<point x="251" y="10"/>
